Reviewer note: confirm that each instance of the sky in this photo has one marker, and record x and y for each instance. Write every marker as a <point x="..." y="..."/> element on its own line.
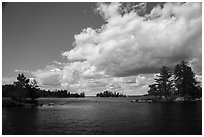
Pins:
<point x="92" y="47"/>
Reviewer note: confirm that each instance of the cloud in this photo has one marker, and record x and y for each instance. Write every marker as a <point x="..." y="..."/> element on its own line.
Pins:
<point x="21" y="71"/>
<point x="8" y="80"/>
<point x="108" y="11"/>
<point x="51" y="78"/>
<point x="130" y="44"/>
<point x="196" y="64"/>
<point x="78" y="77"/>
<point x="57" y="62"/>
<point x="124" y="54"/>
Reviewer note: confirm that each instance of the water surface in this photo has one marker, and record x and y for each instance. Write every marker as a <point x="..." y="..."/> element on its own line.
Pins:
<point x="103" y="116"/>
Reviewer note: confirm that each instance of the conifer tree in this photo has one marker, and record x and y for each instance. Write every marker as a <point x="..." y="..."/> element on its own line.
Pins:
<point x="185" y="81"/>
<point x="21" y="85"/>
<point x="163" y="82"/>
<point x="163" y="85"/>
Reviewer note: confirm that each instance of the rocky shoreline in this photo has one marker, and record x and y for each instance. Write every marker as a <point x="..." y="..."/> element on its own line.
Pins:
<point x="166" y="100"/>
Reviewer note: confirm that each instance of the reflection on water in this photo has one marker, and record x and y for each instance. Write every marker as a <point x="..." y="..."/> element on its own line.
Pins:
<point x="103" y="116"/>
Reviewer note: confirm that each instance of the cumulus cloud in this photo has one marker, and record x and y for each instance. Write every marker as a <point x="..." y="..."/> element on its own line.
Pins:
<point x="126" y="52"/>
<point x="51" y="78"/>
<point x="130" y="44"/>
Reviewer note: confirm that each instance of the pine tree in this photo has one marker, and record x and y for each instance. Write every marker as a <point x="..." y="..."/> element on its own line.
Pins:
<point x="25" y="88"/>
<point x="153" y="90"/>
<point x="163" y="82"/>
<point x="21" y="85"/>
<point x="33" y="89"/>
<point x="22" y="81"/>
<point x="185" y="80"/>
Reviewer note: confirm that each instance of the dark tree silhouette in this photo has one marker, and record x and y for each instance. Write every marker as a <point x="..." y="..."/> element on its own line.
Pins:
<point x="109" y="94"/>
<point x="23" y="89"/>
<point x="82" y="94"/>
<point x="163" y="84"/>
<point x="22" y="81"/>
<point x="22" y="85"/>
<point x="153" y="90"/>
<point x="185" y="81"/>
<point x="8" y="90"/>
<point x="33" y="89"/>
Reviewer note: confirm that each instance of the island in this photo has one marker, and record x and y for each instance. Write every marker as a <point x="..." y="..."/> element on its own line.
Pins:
<point x="179" y="86"/>
<point x="25" y="92"/>
<point x="109" y="94"/>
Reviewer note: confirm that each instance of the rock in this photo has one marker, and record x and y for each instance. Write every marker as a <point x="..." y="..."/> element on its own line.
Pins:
<point x="141" y="101"/>
<point x="179" y="99"/>
<point x="149" y="101"/>
<point x="51" y="104"/>
<point x="197" y="99"/>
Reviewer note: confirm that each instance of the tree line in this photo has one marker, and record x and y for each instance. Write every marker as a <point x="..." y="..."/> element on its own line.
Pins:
<point x="25" y="88"/>
<point x="181" y="82"/>
<point x="109" y="94"/>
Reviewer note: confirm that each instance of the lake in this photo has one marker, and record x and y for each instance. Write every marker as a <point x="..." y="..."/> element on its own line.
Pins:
<point x="103" y="116"/>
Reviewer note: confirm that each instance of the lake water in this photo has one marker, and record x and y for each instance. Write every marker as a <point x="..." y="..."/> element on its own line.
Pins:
<point x="103" y="116"/>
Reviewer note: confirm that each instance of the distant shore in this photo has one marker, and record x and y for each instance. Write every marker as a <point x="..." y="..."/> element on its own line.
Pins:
<point x="8" y="102"/>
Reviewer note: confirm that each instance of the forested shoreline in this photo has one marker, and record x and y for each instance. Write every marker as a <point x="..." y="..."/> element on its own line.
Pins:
<point x="24" y="88"/>
<point x="178" y="84"/>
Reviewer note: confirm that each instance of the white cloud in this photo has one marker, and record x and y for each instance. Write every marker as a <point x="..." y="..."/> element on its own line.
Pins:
<point x="124" y="53"/>
<point x="108" y="11"/>
<point x="8" y="80"/>
<point x="196" y="64"/>
<point x="129" y="44"/>
<point x="57" y="62"/>
<point x="51" y="78"/>
<point x="21" y="71"/>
